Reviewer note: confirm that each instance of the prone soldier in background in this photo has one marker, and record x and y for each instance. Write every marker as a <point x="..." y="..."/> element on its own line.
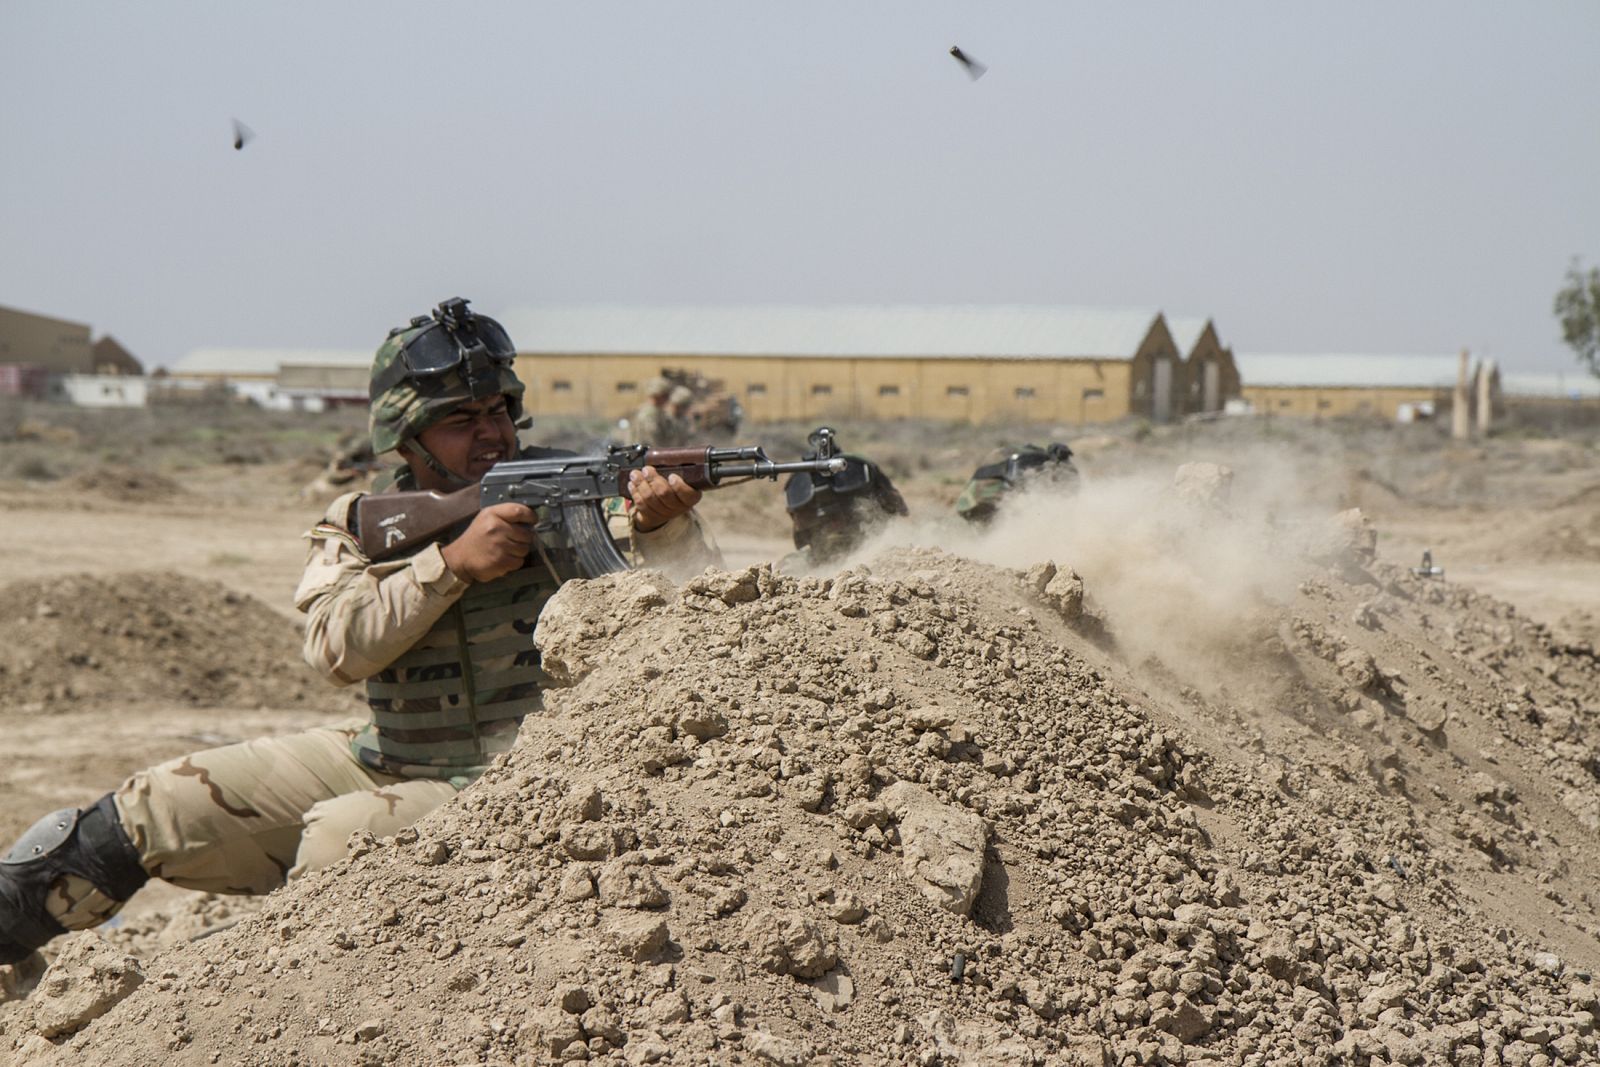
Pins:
<point x="1027" y="467"/>
<point x="834" y="514"/>
<point x="441" y="636"/>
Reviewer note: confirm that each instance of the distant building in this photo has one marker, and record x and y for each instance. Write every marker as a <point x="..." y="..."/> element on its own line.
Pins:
<point x="24" y="379"/>
<point x="105" y="390"/>
<point x="311" y="386"/>
<point x="970" y="364"/>
<point x="1576" y="387"/>
<point x="281" y="379"/>
<point x="1335" y="385"/>
<point x="43" y="357"/>
<point x="60" y="346"/>
<point x="1211" y="377"/>
<point x="109" y="357"/>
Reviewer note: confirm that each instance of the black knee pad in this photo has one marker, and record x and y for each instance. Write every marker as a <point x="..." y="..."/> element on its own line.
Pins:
<point x="90" y="844"/>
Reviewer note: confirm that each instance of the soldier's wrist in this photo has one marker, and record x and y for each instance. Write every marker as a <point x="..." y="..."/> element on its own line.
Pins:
<point x="639" y="526"/>
<point x="454" y="574"/>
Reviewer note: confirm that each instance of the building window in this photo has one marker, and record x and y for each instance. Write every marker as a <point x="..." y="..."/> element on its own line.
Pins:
<point x="1094" y="394"/>
<point x="1024" y="392"/>
<point x="955" y="390"/>
<point x="1323" y="405"/>
<point x="756" y="389"/>
<point x="821" y="389"/>
<point x="627" y="387"/>
<point x="560" y="386"/>
<point x="888" y="390"/>
<point x="1284" y="402"/>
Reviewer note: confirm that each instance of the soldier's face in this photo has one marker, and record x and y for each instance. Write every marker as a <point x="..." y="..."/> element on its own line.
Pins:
<point x="468" y="441"/>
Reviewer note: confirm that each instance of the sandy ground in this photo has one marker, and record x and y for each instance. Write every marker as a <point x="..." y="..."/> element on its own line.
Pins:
<point x="241" y="526"/>
<point x="1515" y="518"/>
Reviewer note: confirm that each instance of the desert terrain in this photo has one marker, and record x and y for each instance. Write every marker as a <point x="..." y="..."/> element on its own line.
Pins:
<point x="1183" y="768"/>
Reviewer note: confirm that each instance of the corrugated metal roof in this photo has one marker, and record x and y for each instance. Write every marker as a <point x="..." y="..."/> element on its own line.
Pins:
<point x="1000" y="332"/>
<point x="1186" y="333"/>
<point x="1258" y="368"/>
<point x="265" y="361"/>
<point x="1576" y="384"/>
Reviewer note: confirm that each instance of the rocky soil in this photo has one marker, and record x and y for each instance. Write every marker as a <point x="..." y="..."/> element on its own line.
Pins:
<point x="930" y="810"/>
<point x="162" y="636"/>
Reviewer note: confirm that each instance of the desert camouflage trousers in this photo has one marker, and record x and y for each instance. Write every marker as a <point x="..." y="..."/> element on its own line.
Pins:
<point x="245" y="818"/>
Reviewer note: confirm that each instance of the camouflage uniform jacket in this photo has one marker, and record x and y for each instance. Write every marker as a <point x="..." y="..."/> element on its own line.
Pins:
<point x="437" y="711"/>
<point x="981" y="498"/>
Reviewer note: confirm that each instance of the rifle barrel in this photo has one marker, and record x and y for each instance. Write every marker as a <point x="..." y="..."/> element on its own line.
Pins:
<point x="768" y="469"/>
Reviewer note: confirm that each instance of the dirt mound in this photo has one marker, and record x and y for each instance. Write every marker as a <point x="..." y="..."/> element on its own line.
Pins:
<point x="922" y="813"/>
<point x="129" y="485"/>
<point x="157" y="635"/>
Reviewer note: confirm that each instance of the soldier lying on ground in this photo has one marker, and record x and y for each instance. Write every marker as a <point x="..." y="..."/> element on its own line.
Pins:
<point x="351" y="462"/>
<point x="1029" y="466"/>
<point x="441" y="637"/>
<point x="833" y="514"/>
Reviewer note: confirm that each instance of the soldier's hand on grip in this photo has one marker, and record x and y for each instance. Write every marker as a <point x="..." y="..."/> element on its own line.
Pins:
<point x="496" y="543"/>
<point x="658" y="500"/>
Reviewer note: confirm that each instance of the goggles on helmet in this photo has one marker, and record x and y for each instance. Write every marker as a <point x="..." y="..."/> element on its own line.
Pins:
<point x="452" y="337"/>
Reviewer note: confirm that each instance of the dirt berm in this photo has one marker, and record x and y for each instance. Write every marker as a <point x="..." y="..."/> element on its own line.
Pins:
<point x="924" y="813"/>
<point x="155" y="636"/>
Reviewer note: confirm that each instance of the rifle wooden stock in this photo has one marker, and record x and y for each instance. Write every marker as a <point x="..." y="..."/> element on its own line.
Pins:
<point x="392" y="522"/>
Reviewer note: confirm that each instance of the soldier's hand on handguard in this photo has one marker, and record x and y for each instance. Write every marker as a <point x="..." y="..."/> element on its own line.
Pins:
<point x="496" y="543"/>
<point x="658" y="500"/>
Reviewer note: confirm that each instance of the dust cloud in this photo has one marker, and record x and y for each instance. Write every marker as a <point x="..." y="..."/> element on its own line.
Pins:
<point x="1186" y="566"/>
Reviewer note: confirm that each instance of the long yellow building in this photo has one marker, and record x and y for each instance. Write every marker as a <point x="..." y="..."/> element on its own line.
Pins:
<point x="969" y="364"/>
<point x="1345" y="385"/>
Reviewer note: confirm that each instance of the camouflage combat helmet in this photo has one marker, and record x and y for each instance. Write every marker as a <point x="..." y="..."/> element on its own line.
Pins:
<point x="989" y="483"/>
<point x="833" y="512"/>
<point x="425" y="370"/>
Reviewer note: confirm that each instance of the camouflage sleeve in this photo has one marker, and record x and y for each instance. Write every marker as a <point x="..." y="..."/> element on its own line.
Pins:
<point x="360" y="616"/>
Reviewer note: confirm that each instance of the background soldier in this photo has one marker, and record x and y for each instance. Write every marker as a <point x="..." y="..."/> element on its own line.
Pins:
<point x="1029" y="466"/>
<point x="352" y="461"/>
<point x="651" y="424"/>
<point x="681" y="425"/>
<point x="833" y="514"/>
<point x="449" y="671"/>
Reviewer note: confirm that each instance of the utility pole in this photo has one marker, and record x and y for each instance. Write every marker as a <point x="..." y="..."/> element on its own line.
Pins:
<point x="1485" y="397"/>
<point x="1460" y="412"/>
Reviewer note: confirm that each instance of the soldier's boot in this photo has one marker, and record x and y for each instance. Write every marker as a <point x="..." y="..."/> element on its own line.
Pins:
<point x="89" y="844"/>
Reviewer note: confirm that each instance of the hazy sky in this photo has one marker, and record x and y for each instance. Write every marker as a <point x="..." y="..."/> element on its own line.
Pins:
<point x="1355" y="176"/>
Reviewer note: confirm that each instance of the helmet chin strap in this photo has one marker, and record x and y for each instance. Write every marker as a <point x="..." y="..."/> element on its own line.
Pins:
<point x="451" y="478"/>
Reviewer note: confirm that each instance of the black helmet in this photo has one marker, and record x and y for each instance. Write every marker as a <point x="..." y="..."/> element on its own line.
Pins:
<point x="832" y="512"/>
<point x="989" y="483"/>
<point x="1019" y="462"/>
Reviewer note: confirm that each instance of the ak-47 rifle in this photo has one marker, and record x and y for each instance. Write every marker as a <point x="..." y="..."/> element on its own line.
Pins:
<point x="570" y="489"/>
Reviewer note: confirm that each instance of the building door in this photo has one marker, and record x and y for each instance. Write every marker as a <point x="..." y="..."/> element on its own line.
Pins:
<point x="1211" y="390"/>
<point x="1161" y="403"/>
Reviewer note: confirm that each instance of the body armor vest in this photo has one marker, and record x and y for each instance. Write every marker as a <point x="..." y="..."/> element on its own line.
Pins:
<point x="454" y="700"/>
